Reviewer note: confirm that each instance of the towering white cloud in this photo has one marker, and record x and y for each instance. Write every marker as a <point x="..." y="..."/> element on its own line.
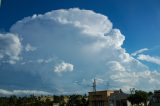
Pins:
<point x="87" y="40"/>
<point x="10" y="48"/>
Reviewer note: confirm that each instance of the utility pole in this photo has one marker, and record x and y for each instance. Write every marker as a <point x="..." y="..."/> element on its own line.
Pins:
<point x="94" y="91"/>
<point x="94" y="85"/>
<point x="108" y="85"/>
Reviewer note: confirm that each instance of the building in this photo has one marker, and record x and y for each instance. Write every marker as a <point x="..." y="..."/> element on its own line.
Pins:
<point x="119" y="99"/>
<point x="108" y="98"/>
<point x="99" y="98"/>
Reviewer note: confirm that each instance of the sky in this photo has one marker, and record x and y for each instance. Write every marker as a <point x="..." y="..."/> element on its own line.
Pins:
<point x="60" y="46"/>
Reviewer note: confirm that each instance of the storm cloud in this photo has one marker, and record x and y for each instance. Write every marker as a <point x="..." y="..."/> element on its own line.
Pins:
<point x="83" y="39"/>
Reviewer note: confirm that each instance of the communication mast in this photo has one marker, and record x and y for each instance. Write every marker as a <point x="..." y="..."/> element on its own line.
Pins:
<point x="94" y="85"/>
<point x="94" y="90"/>
<point x="108" y="84"/>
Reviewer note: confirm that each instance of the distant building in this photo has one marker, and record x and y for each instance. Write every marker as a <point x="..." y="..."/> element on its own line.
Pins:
<point x="44" y="98"/>
<point x="108" y="98"/>
<point x="55" y="104"/>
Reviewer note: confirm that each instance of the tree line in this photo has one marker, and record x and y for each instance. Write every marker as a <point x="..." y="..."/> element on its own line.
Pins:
<point x="70" y="100"/>
<point x="138" y="98"/>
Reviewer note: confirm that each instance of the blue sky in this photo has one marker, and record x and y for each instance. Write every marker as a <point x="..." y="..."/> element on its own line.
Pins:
<point x="48" y="66"/>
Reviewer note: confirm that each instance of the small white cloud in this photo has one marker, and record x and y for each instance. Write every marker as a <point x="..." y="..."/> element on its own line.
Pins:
<point x="30" y="48"/>
<point x="63" y="67"/>
<point x="139" y="51"/>
<point x="10" y="48"/>
<point x="148" y="58"/>
<point x="49" y="60"/>
<point x="40" y="60"/>
<point x="23" y="63"/>
<point x="45" y="60"/>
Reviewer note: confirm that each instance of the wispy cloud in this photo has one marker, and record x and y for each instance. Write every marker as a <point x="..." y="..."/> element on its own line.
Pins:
<point x="148" y="58"/>
<point x="139" y="51"/>
<point x="4" y="92"/>
<point x="30" y="48"/>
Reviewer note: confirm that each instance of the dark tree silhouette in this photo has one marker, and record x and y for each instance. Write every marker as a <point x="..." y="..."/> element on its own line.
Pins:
<point x="139" y="97"/>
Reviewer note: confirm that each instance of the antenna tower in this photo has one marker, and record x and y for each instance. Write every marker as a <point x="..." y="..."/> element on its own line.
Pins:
<point x="94" y="85"/>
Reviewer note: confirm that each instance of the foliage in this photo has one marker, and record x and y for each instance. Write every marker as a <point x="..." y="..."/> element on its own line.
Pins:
<point x="77" y="100"/>
<point x="72" y="100"/>
<point x="139" y="97"/>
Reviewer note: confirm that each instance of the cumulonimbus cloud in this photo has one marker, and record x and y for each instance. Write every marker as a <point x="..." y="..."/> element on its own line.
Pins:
<point x="88" y="41"/>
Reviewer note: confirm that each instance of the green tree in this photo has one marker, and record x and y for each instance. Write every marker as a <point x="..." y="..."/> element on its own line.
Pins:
<point x="75" y="100"/>
<point x="139" y="97"/>
<point x="84" y="101"/>
<point x="48" y="102"/>
<point x="13" y="100"/>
